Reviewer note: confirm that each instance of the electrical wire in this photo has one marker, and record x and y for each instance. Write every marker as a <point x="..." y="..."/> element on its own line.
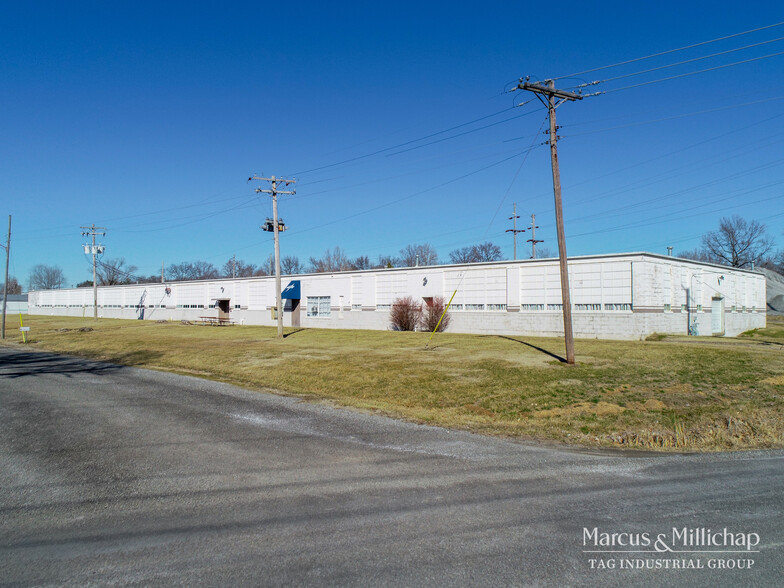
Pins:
<point x="627" y="187"/>
<point x="683" y="75"/>
<point x="661" y="67"/>
<point x="466" y="132"/>
<point x="393" y="147"/>
<point x="580" y="73"/>
<point x="514" y="178"/>
<point x="408" y="197"/>
<point x="674" y="117"/>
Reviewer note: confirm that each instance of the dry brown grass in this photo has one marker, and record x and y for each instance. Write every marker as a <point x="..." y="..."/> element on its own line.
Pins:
<point x="671" y="394"/>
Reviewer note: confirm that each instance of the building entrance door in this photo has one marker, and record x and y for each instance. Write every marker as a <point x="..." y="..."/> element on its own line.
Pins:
<point x="717" y="316"/>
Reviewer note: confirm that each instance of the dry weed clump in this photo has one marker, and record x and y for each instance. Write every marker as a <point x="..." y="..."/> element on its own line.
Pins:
<point x="432" y="314"/>
<point x="405" y="314"/>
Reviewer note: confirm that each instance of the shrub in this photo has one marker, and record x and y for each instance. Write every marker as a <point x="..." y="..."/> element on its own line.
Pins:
<point x="405" y="314"/>
<point x="433" y="312"/>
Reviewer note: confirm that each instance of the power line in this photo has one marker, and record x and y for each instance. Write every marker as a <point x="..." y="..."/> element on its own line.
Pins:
<point x="662" y="156"/>
<point x="778" y="24"/>
<point x="683" y="75"/>
<point x="674" y="117"/>
<point x="413" y="195"/>
<point x="517" y="173"/>
<point x="702" y="58"/>
<point x="393" y="147"/>
<point x="465" y="132"/>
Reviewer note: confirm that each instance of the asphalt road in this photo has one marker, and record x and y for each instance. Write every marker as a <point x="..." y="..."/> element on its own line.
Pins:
<point x="113" y="475"/>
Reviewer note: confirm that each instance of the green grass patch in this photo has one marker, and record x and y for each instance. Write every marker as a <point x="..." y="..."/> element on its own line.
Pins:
<point x="671" y="393"/>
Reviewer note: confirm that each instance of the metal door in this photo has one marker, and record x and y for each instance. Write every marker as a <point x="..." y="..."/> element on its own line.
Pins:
<point x="717" y="316"/>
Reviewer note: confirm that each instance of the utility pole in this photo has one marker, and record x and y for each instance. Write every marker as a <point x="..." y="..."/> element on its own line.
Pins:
<point x="552" y="98"/>
<point x="533" y="240"/>
<point x="163" y="280"/>
<point x="234" y="266"/>
<point x="514" y="230"/>
<point x="92" y="230"/>
<point x="273" y="191"/>
<point x="7" y="247"/>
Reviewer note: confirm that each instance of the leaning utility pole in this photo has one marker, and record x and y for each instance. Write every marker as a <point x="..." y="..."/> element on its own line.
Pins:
<point x="533" y="240"/>
<point x="276" y="230"/>
<point x="550" y="94"/>
<point x="514" y="230"/>
<point x="5" y="284"/>
<point x="92" y="230"/>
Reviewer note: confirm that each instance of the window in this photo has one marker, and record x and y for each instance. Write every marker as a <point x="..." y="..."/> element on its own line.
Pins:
<point x="683" y="308"/>
<point x="319" y="306"/>
<point x="699" y="308"/>
<point x="456" y="307"/>
<point x="587" y="306"/>
<point x="474" y="306"/>
<point x="356" y="307"/>
<point x="555" y="307"/>
<point x="532" y="307"/>
<point x="496" y="307"/>
<point x="626" y="306"/>
<point x="668" y="308"/>
<point x="383" y="306"/>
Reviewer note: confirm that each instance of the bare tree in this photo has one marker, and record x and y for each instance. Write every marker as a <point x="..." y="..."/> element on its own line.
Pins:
<point x="387" y="261"/>
<point x="424" y="254"/>
<point x="698" y="255"/>
<point x="46" y="277"/>
<point x="14" y="287"/>
<point x="476" y="253"/>
<point x="737" y="242"/>
<point x="545" y="253"/>
<point x="290" y="265"/>
<point x="331" y="261"/>
<point x="361" y="263"/>
<point x="110" y="272"/>
<point x="238" y="268"/>
<point x="187" y="270"/>
<point x="267" y="268"/>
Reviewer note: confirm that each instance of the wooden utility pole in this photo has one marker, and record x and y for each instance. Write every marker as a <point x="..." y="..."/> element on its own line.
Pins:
<point x="92" y="230"/>
<point x="533" y="240"/>
<point x="552" y="98"/>
<point x="276" y="230"/>
<point x="514" y="229"/>
<point x="5" y="284"/>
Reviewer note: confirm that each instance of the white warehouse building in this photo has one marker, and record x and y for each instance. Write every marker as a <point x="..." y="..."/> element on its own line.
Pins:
<point x="623" y="296"/>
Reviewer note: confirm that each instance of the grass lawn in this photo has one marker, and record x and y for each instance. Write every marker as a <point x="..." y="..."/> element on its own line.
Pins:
<point x="674" y="393"/>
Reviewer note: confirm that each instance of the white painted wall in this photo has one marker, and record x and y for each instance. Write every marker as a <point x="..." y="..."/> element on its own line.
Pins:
<point x="627" y="296"/>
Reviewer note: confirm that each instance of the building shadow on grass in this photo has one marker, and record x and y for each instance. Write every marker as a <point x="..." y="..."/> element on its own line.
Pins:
<point x="532" y="346"/>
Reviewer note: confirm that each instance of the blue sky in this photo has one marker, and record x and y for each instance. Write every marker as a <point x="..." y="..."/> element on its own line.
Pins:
<point x="148" y="118"/>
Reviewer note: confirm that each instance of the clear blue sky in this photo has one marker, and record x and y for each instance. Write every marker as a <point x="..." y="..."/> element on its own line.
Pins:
<point x="148" y="118"/>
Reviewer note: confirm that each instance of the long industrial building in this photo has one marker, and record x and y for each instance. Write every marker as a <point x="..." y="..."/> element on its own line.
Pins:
<point x="623" y="296"/>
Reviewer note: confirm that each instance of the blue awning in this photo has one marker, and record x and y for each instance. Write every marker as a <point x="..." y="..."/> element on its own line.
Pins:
<point x="292" y="291"/>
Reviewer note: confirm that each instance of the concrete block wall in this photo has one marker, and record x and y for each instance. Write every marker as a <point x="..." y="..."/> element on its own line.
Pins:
<point x="627" y="296"/>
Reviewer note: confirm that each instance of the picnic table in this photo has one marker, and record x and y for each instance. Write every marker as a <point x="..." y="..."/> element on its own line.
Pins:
<point x="215" y="321"/>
